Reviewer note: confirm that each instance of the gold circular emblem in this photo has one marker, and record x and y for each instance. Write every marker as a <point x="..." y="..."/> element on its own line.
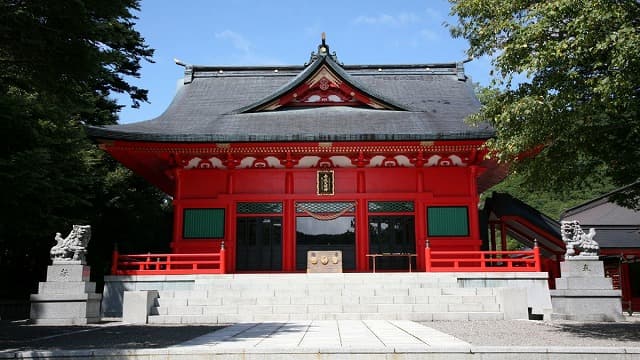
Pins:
<point x="324" y="260"/>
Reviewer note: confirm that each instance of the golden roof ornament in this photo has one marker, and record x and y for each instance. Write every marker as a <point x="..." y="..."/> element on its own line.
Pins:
<point x="323" y="50"/>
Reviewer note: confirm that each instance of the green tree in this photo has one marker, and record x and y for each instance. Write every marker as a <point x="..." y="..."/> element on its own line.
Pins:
<point x="565" y="101"/>
<point x="59" y="62"/>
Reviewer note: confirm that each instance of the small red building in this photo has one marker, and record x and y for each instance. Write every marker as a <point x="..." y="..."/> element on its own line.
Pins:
<point x="274" y="161"/>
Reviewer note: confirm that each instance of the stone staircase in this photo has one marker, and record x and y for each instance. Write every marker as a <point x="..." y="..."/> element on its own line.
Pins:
<point x="235" y="298"/>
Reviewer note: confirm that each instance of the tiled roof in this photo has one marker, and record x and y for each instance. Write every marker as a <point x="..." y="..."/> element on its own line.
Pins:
<point x="432" y="101"/>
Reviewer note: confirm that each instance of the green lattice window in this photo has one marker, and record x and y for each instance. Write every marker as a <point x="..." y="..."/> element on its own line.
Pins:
<point x="325" y="207"/>
<point x="259" y="208"/>
<point x="390" y="206"/>
<point x="203" y="223"/>
<point x="448" y="221"/>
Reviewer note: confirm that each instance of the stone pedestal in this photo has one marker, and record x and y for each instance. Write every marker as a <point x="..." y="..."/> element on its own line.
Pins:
<point x="67" y="297"/>
<point x="583" y="293"/>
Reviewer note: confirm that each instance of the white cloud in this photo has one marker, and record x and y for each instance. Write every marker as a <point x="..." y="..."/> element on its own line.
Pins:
<point x="237" y="40"/>
<point x="429" y="35"/>
<point x="386" y="19"/>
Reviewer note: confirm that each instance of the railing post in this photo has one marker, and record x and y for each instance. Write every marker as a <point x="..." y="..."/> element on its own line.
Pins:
<point x="222" y="258"/>
<point x="427" y="256"/>
<point x="114" y="260"/>
<point x="536" y="256"/>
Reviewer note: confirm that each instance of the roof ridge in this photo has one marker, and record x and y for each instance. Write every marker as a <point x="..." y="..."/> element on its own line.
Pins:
<point x="602" y="199"/>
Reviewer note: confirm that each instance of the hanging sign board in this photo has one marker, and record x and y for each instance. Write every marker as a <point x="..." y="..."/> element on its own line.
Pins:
<point x="325" y="183"/>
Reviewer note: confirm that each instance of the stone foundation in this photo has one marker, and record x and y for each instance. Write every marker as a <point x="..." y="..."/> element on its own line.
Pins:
<point x="67" y="297"/>
<point x="584" y="294"/>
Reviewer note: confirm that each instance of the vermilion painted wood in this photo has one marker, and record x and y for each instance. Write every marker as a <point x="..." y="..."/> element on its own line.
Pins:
<point x="437" y="261"/>
<point x="450" y="186"/>
<point x="482" y="261"/>
<point x="167" y="166"/>
<point x="168" y="264"/>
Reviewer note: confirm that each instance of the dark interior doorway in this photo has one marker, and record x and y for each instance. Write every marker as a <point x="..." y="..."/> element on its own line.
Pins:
<point x="317" y="235"/>
<point x="259" y="244"/>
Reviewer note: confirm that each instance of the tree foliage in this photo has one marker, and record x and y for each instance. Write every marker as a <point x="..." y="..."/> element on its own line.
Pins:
<point x="566" y="87"/>
<point x="59" y="62"/>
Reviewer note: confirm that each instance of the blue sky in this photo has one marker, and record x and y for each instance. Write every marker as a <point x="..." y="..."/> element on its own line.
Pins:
<point x="254" y="32"/>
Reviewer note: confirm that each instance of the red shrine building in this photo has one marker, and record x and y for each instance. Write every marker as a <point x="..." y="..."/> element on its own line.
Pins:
<point x="270" y="162"/>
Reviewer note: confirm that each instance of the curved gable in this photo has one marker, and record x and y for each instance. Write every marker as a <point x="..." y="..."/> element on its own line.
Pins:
<point x="323" y="83"/>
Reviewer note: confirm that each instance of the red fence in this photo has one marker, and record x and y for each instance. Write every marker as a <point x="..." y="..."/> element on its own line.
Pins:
<point x="168" y="264"/>
<point x="482" y="261"/>
<point x="436" y="261"/>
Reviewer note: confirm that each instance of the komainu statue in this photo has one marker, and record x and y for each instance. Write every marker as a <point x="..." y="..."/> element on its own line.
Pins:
<point x="578" y="242"/>
<point x="73" y="248"/>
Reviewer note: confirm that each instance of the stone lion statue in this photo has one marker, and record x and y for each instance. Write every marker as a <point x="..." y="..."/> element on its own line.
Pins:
<point x="73" y="247"/>
<point x="578" y="243"/>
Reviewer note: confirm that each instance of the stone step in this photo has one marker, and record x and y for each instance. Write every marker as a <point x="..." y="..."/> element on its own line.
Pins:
<point x="285" y="309"/>
<point x="319" y="300"/>
<point x="284" y="297"/>
<point x="235" y="318"/>
<point x="332" y="292"/>
<point x="253" y="281"/>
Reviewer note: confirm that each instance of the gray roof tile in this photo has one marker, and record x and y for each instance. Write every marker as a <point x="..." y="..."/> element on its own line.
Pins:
<point x="207" y="108"/>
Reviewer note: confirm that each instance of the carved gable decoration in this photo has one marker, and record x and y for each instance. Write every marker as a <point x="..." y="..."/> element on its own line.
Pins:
<point x="324" y="82"/>
<point x="325" y="88"/>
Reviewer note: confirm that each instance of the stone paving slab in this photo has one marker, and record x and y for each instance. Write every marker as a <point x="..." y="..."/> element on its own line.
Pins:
<point x="327" y="335"/>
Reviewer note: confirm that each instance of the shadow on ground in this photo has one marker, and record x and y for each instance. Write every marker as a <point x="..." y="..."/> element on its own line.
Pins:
<point x="611" y="331"/>
<point x="22" y="336"/>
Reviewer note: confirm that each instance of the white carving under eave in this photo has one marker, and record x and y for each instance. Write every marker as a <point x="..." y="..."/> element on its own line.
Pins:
<point x="451" y="160"/>
<point x="217" y="163"/>
<point x="313" y="161"/>
<point x="200" y="163"/>
<point x="247" y="162"/>
<point x="342" y="162"/>
<point x="274" y="162"/>
<point x="403" y="161"/>
<point x="308" y="162"/>
<point x="193" y="163"/>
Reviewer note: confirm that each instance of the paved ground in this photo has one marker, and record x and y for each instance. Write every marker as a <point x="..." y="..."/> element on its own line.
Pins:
<point x="20" y="336"/>
<point x="326" y="336"/>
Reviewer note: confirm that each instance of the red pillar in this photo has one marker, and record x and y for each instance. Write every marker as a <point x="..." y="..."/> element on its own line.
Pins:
<point x="427" y="256"/>
<point x="289" y="237"/>
<point x="289" y="227"/>
<point x="362" y="235"/>
<point x="223" y="259"/>
<point x="177" y="210"/>
<point x="536" y="256"/>
<point x="114" y="261"/>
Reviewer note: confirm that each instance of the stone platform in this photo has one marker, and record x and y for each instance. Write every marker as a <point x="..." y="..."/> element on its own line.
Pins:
<point x="67" y="297"/>
<point x="583" y="293"/>
<point x="224" y="299"/>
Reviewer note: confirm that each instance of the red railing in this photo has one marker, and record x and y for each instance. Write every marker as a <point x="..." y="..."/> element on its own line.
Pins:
<point x="485" y="261"/>
<point x="168" y="264"/>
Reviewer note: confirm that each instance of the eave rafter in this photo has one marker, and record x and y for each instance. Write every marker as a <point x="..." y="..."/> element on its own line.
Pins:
<point x="309" y="155"/>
